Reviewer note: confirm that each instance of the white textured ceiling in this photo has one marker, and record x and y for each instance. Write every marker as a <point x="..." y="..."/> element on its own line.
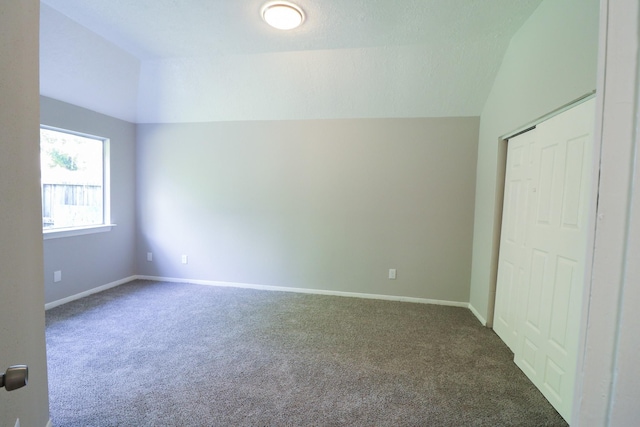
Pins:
<point x="206" y="60"/>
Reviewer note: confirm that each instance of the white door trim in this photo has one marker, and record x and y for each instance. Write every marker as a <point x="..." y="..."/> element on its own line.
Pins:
<point x="607" y="387"/>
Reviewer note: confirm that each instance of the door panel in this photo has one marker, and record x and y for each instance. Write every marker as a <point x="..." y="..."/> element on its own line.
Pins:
<point x="560" y="232"/>
<point x="572" y="215"/>
<point x="533" y="301"/>
<point x="548" y="178"/>
<point x="550" y="255"/>
<point x="513" y="252"/>
<point x="22" y="337"/>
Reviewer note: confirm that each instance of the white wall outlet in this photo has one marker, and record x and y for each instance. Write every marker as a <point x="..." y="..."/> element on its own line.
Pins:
<point x="392" y="273"/>
<point x="184" y="259"/>
<point x="57" y="276"/>
<point x="149" y="256"/>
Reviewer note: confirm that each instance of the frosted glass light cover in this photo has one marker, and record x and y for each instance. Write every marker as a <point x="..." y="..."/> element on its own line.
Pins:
<point x="283" y="16"/>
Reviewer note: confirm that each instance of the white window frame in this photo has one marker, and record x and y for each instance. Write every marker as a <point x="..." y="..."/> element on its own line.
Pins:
<point x="106" y="225"/>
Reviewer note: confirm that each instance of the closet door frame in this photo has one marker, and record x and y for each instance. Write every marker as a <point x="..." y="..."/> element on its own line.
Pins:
<point x="527" y="162"/>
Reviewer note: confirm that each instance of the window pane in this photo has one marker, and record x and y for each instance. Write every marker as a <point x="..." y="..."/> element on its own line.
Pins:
<point x="72" y="179"/>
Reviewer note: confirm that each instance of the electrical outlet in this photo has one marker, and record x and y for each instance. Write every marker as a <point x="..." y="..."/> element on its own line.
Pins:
<point x="184" y="259"/>
<point x="57" y="276"/>
<point x="392" y="273"/>
<point x="149" y="256"/>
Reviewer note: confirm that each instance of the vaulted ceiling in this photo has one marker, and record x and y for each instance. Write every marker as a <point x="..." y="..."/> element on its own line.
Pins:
<point x="213" y="60"/>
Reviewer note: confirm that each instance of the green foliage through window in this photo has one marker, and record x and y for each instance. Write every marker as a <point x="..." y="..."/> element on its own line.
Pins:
<point x="64" y="160"/>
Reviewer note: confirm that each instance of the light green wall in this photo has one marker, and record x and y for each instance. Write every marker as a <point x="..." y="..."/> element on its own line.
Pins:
<point x="550" y="62"/>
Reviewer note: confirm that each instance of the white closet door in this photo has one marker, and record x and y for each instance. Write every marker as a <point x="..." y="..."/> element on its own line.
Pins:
<point x="543" y="249"/>
<point x="548" y="342"/>
<point x="514" y="256"/>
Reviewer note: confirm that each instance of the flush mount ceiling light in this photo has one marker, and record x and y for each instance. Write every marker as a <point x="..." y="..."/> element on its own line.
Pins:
<point x="282" y="15"/>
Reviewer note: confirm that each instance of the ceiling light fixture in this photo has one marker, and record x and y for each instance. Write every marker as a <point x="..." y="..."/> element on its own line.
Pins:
<point x="282" y="15"/>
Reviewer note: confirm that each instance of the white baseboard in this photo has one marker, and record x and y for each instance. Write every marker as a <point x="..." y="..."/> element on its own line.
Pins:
<point x="475" y="313"/>
<point x="266" y="288"/>
<point x="307" y="291"/>
<point x="89" y="292"/>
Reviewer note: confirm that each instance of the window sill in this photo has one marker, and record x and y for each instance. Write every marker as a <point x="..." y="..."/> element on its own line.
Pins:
<point x="76" y="231"/>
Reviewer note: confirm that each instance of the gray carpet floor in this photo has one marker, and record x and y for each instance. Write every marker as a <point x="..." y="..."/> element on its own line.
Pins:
<point x="168" y="354"/>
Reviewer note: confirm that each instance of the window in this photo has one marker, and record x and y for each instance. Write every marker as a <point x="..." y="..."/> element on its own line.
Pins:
<point x="74" y="179"/>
